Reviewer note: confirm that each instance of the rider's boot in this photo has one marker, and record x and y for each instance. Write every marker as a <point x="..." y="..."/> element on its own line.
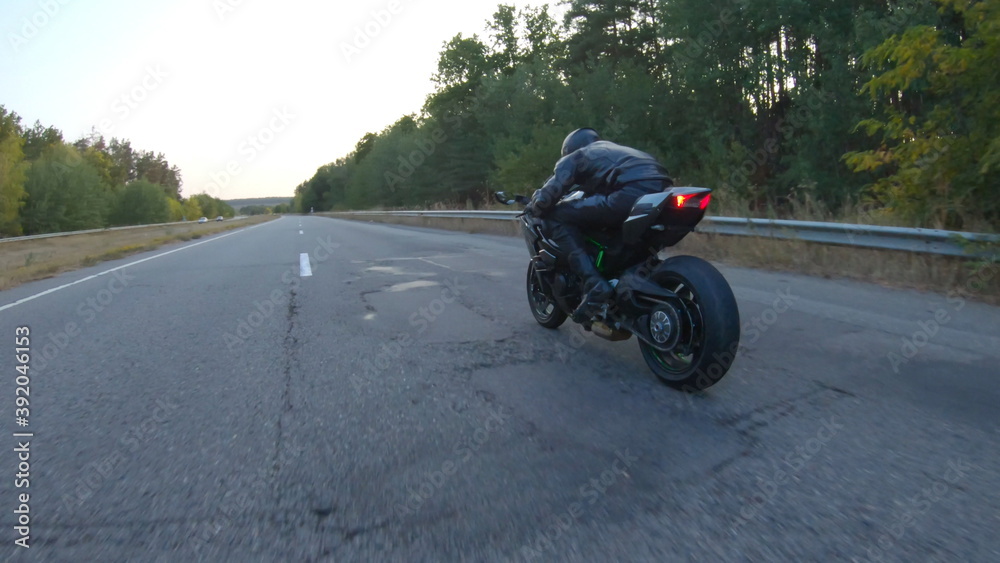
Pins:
<point x="597" y="289"/>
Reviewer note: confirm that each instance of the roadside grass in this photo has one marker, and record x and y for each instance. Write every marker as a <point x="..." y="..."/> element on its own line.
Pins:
<point x="971" y="279"/>
<point x="30" y="260"/>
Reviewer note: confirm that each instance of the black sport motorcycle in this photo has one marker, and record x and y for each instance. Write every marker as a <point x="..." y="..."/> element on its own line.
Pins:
<point x="681" y="309"/>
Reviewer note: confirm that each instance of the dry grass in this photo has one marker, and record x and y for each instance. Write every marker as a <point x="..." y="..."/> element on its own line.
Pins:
<point x="912" y="270"/>
<point x="30" y="260"/>
<point x="929" y="272"/>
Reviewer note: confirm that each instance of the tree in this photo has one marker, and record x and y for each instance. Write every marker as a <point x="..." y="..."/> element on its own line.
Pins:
<point x="64" y="193"/>
<point x="39" y="139"/>
<point x="462" y="63"/>
<point x="155" y="168"/>
<point x="225" y="209"/>
<point x="254" y="210"/>
<point x="12" y="173"/>
<point x="616" y="30"/>
<point x="176" y="210"/>
<point x="123" y="162"/>
<point x="192" y="211"/>
<point x="757" y="100"/>
<point x="208" y="205"/>
<point x="541" y="35"/>
<point x="211" y="207"/>
<point x="141" y="203"/>
<point x="48" y="185"/>
<point x="364" y="146"/>
<point x="506" y="53"/>
<point x="940" y="128"/>
<point x="521" y="167"/>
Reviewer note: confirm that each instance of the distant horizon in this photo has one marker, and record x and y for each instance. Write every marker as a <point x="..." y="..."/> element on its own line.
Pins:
<point x="305" y="84"/>
<point x="245" y="201"/>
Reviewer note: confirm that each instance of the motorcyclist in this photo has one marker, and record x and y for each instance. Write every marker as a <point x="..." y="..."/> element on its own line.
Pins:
<point x="612" y="177"/>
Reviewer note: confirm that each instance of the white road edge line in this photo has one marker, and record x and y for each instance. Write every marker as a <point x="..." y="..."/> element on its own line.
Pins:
<point x="305" y="270"/>
<point x="106" y="272"/>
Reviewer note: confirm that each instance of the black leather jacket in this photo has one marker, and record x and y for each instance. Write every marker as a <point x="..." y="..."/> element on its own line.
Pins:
<point x="602" y="167"/>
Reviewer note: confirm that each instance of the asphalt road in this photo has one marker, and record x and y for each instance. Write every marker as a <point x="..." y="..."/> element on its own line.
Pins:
<point x="401" y="404"/>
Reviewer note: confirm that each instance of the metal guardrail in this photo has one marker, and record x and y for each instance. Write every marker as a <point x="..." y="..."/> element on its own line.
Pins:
<point x="109" y="229"/>
<point x="931" y="241"/>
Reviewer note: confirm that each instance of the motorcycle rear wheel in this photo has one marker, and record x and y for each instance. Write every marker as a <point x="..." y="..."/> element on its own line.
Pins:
<point x="710" y="331"/>
<point x="543" y="306"/>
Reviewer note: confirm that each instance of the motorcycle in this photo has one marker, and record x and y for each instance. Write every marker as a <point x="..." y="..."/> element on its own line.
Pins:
<point x="681" y="309"/>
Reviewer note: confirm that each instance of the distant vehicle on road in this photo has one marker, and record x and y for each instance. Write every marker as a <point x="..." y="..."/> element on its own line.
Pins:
<point x="203" y="220"/>
<point x="219" y="218"/>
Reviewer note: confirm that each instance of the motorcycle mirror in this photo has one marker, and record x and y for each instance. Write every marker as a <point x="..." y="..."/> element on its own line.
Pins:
<point x="503" y="198"/>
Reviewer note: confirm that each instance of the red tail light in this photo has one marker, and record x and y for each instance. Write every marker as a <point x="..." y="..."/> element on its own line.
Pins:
<point x="700" y="201"/>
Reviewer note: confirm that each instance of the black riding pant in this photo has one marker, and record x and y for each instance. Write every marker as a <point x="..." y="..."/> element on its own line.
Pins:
<point x="568" y="221"/>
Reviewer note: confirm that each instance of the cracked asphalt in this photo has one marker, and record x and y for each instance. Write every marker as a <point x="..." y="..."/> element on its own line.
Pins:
<point x="401" y="404"/>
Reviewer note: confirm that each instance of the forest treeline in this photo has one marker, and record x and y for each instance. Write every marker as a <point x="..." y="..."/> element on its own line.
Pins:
<point x="50" y="185"/>
<point x="852" y="107"/>
<point x="251" y="210"/>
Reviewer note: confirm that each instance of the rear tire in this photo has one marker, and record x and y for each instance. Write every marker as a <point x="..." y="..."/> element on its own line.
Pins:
<point x="710" y="322"/>
<point x="543" y="306"/>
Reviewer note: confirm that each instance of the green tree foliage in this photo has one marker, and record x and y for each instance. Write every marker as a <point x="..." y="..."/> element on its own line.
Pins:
<point x="49" y="185"/>
<point x="940" y="124"/>
<point x="207" y="204"/>
<point x="155" y="168"/>
<point x="12" y="173"/>
<point x="192" y="211"/>
<point x="123" y="162"/>
<point x="505" y="55"/>
<point x="176" y="210"/>
<point x="64" y="193"/>
<point x="616" y="30"/>
<point x="141" y="203"/>
<point x="758" y="100"/>
<point x="255" y="210"/>
<point x="211" y="207"/>
<point x="40" y="139"/>
<point x="225" y="209"/>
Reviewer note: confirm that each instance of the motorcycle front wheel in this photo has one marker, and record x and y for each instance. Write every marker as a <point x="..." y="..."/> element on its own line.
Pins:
<point x="543" y="306"/>
<point x="703" y="331"/>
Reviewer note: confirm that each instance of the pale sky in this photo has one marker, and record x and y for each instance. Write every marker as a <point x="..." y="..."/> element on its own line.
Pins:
<point x="198" y="79"/>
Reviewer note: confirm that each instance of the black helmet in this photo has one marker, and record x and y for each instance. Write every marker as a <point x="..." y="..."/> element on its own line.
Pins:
<point x="579" y="139"/>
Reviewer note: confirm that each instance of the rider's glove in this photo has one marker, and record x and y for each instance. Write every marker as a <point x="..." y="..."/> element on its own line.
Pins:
<point x="540" y="203"/>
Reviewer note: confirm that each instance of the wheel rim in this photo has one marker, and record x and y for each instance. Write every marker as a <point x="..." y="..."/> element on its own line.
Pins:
<point x="541" y="305"/>
<point x="665" y="327"/>
<point x="690" y="336"/>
